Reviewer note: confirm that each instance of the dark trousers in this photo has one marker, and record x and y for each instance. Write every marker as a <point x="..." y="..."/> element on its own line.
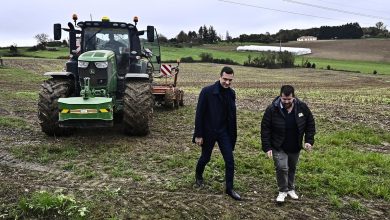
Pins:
<point x="226" y="148"/>
<point x="285" y="165"/>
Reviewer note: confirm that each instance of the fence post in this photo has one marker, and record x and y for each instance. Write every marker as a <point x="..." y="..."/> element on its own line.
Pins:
<point x="1" y="62"/>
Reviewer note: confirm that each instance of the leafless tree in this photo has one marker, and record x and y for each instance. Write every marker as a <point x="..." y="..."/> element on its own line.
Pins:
<point x="42" y="39"/>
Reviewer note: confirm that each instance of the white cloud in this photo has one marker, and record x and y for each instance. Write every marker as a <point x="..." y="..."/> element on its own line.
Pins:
<point x="22" y="19"/>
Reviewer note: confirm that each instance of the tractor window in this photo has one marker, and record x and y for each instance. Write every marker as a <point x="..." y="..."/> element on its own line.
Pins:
<point x="116" y="40"/>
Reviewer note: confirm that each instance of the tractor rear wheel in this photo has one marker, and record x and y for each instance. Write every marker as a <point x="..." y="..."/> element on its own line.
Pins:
<point x="53" y="89"/>
<point x="138" y="107"/>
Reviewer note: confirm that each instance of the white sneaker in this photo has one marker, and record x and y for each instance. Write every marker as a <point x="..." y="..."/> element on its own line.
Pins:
<point x="292" y="194"/>
<point x="281" y="197"/>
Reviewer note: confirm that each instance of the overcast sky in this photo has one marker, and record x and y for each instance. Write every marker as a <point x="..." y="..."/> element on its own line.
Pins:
<point x="21" y="20"/>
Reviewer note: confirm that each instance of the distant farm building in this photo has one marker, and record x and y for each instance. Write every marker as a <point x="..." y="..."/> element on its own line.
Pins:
<point x="307" y="38"/>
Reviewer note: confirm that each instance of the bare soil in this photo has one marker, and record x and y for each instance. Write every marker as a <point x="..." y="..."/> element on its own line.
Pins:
<point x="377" y="50"/>
<point x="159" y="192"/>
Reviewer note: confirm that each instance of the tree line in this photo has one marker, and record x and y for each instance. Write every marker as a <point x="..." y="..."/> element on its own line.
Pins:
<point x="346" y="31"/>
<point x="203" y="35"/>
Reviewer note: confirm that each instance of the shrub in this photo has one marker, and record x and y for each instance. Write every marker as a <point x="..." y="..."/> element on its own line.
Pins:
<point x="54" y="44"/>
<point x="286" y="59"/>
<point x="308" y="65"/>
<point x="33" y="48"/>
<point x="206" y="57"/>
<point x="272" y="60"/>
<point x="225" y="61"/>
<point x="328" y="67"/>
<point x="375" y="72"/>
<point x="41" y="47"/>
<point x="313" y="65"/>
<point x="187" y="59"/>
<point x="13" y="49"/>
<point x="52" y="49"/>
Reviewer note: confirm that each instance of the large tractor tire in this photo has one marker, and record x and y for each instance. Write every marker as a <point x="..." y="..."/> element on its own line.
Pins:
<point x="53" y="89"/>
<point x="138" y="107"/>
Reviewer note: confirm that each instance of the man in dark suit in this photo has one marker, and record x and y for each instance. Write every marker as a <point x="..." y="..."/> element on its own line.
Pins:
<point x="283" y="127"/>
<point x="216" y="121"/>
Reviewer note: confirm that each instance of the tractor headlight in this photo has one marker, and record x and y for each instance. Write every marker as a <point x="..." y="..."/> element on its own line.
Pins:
<point x="82" y="64"/>
<point x="101" y="64"/>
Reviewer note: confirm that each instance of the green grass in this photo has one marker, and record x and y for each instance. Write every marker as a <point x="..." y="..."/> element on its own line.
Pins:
<point x="342" y="166"/>
<point x="19" y="76"/>
<point x="22" y="51"/>
<point x="47" y="153"/>
<point x="174" y="53"/>
<point x="44" y="204"/>
<point x="348" y="65"/>
<point x="224" y="51"/>
<point x="14" y="122"/>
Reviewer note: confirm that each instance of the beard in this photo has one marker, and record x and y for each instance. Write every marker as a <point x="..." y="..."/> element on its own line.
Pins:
<point x="287" y="105"/>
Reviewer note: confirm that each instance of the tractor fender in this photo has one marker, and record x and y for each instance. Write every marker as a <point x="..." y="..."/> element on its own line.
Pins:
<point x="59" y="74"/>
<point x="136" y="76"/>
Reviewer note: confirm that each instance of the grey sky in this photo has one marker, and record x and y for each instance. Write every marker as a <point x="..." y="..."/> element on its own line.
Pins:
<point x="21" y="20"/>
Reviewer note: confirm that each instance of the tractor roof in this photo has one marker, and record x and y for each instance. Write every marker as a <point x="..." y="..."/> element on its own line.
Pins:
<point x="105" y="24"/>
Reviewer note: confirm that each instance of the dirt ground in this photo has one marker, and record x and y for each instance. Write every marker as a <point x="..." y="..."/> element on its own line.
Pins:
<point x="159" y="185"/>
<point x="377" y="50"/>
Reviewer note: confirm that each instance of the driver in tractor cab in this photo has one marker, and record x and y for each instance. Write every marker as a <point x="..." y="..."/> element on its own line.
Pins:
<point x="114" y="45"/>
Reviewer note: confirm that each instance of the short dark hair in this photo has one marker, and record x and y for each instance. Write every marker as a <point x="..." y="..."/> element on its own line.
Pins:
<point x="287" y="90"/>
<point x="227" y="70"/>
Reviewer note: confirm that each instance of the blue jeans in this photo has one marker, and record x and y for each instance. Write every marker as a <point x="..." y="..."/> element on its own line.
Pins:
<point x="285" y="166"/>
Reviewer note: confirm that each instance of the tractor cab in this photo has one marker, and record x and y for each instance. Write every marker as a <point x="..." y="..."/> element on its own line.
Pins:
<point x="124" y="39"/>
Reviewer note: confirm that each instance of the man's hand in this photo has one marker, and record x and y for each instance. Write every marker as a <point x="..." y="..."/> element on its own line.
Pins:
<point x="269" y="154"/>
<point x="308" y="147"/>
<point x="199" y="141"/>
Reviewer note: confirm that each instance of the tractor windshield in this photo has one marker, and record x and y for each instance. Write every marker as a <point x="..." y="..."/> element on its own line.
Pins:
<point x="113" y="39"/>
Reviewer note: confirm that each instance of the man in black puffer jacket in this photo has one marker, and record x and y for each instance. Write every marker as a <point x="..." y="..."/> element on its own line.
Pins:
<point x="284" y="125"/>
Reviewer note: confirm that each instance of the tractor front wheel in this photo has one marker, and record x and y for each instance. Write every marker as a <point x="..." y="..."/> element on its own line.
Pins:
<point x="138" y="107"/>
<point x="53" y="89"/>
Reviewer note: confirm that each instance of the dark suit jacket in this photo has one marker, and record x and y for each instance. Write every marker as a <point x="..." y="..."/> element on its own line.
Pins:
<point x="208" y="113"/>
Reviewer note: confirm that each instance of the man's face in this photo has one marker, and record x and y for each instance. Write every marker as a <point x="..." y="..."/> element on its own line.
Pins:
<point x="226" y="80"/>
<point x="287" y="101"/>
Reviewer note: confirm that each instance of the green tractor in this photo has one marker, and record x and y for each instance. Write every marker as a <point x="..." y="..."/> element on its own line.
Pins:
<point x="108" y="76"/>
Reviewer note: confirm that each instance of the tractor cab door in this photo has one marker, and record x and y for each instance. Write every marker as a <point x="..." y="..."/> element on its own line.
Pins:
<point x="153" y="48"/>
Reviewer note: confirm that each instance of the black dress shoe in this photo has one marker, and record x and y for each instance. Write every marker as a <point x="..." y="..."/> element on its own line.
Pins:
<point x="199" y="182"/>
<point x="233" y="194"/>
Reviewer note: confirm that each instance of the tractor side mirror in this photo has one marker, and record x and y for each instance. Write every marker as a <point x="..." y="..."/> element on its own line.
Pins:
<point x="57" y="31"/>
<point x="150" y="30"/>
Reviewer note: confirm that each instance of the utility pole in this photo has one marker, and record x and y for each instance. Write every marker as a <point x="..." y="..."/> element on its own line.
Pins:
<point x="280" y="45"/>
